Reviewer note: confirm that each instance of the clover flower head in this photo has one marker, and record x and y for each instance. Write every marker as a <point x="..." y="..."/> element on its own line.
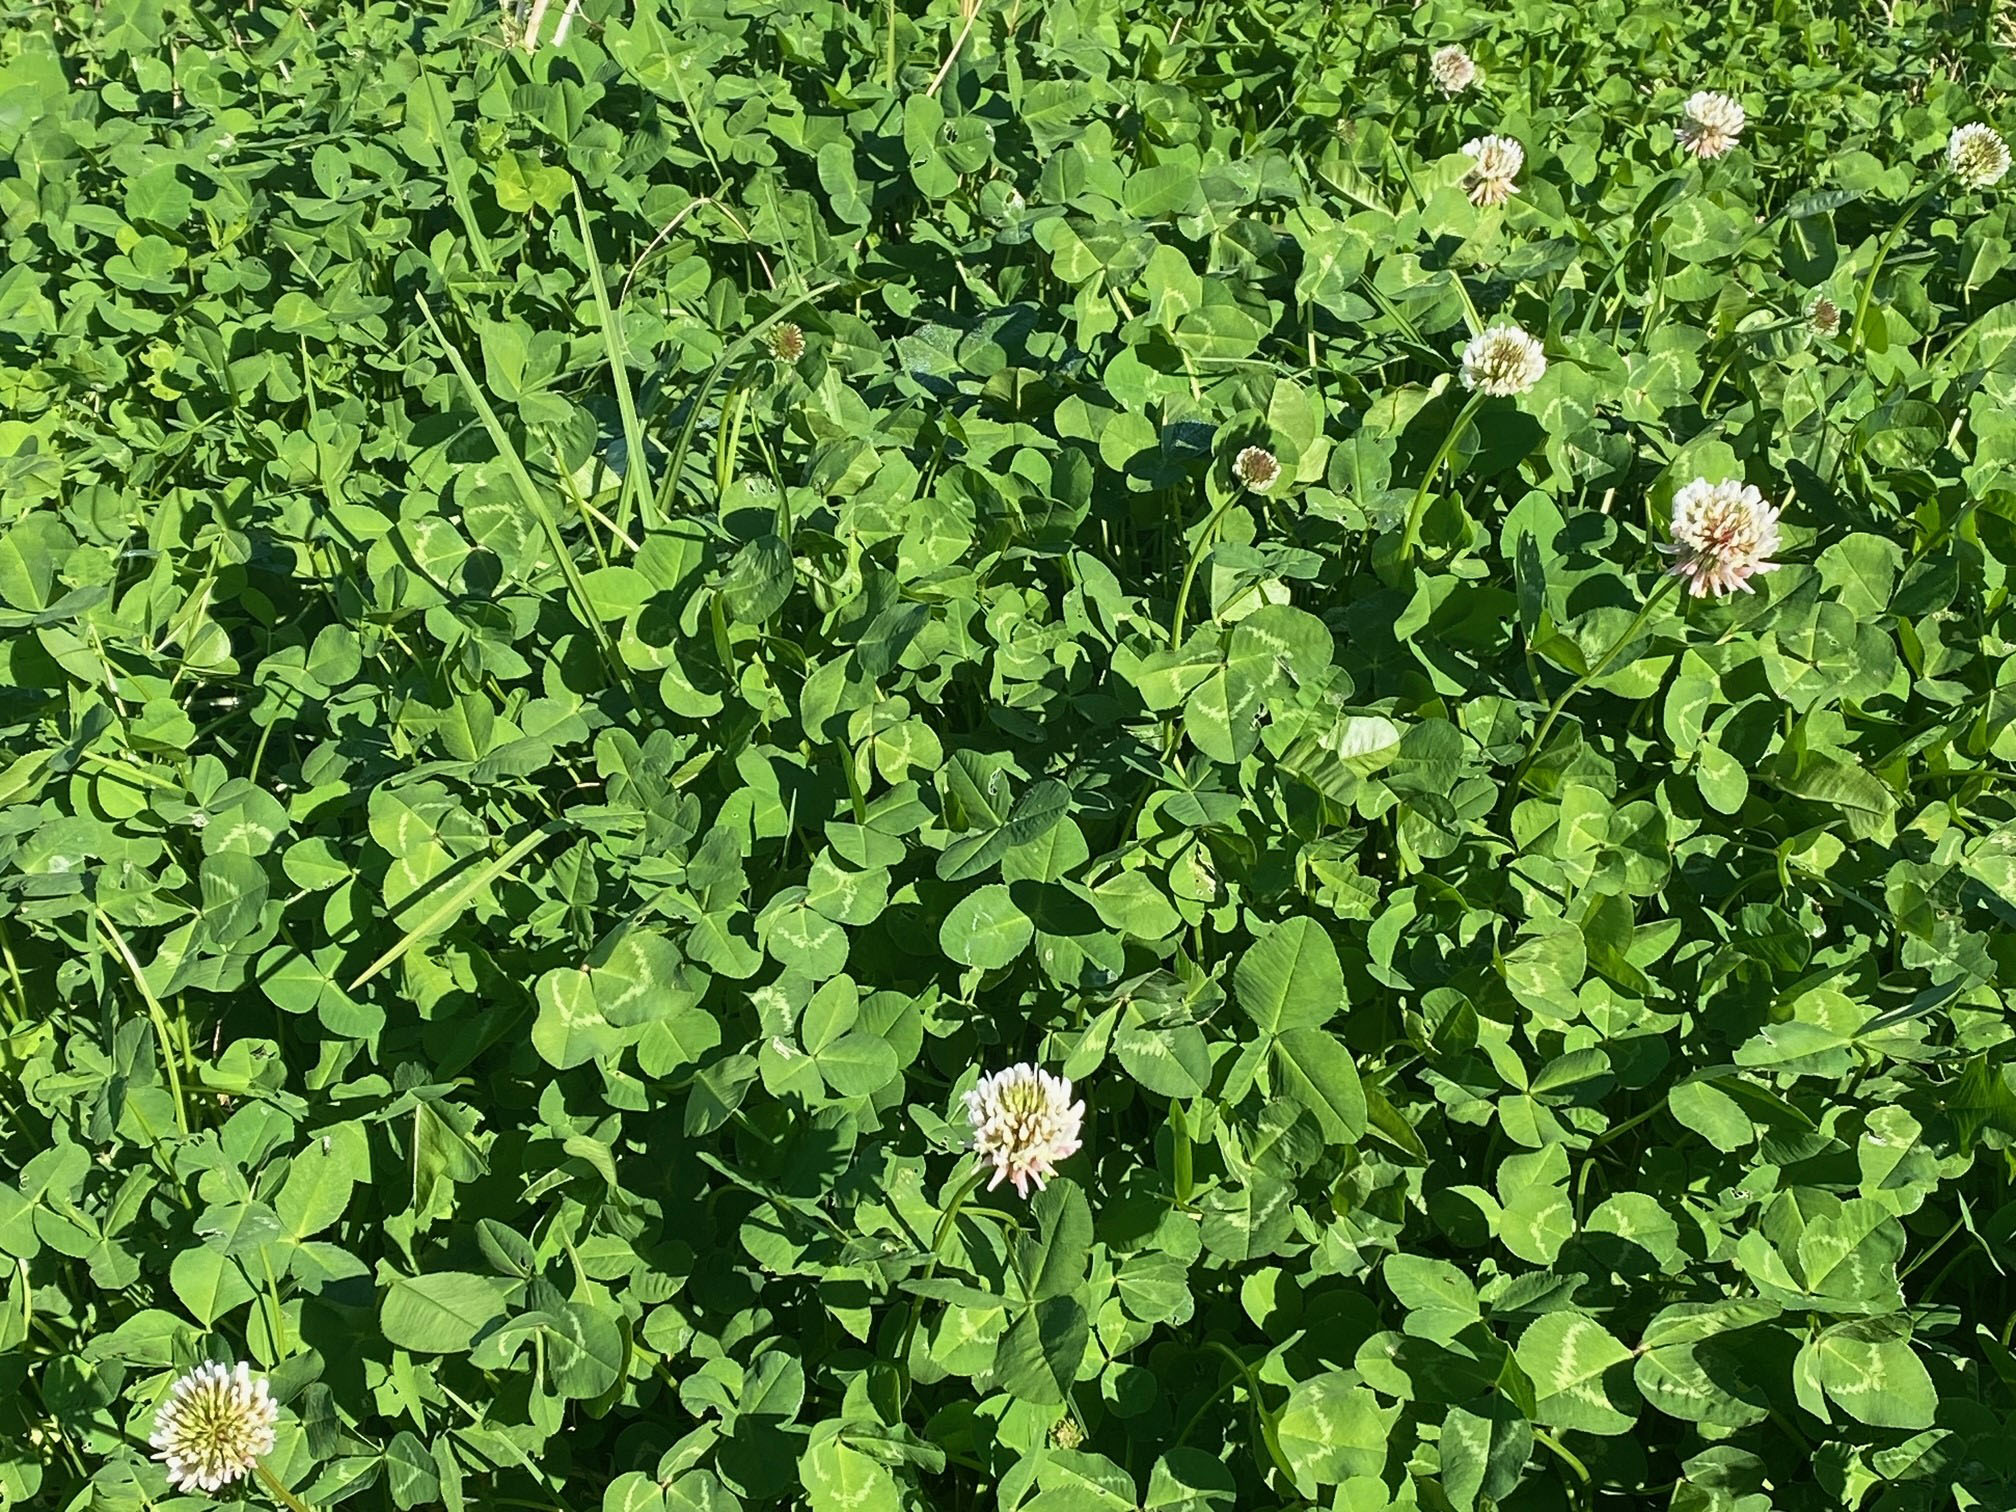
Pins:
<point x="1823" y="316"/>
<point x="1495" y="162"/>
<point x="1451" y="69"/>
<point x="1723" y="535"/>
<point x="214" y="1426"/>
<point x="1024" y="1122"/>
<point x="786" y="342"/>
<point x="1502" y="362"/>
<point x="1257" y="468"/>
<point x="1977" y="156"/>
<point x="1710" y="123"/>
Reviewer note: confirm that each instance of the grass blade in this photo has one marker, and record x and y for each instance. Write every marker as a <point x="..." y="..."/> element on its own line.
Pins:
<point x="668" y="492"/>
<point x="528" y="492"/>
<point x="457" y="900"/>
<point x="637" y="468"/>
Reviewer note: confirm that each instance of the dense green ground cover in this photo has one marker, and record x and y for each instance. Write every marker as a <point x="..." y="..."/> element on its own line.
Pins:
<point x="594" y="631"/>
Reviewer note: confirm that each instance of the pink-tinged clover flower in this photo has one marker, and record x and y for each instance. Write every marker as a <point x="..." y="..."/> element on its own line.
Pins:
<point x="1724" y="534"/>
<point x="1024" y="1122"/>
<point x="1451" y="69"/>
<point x="1495" y="162"/>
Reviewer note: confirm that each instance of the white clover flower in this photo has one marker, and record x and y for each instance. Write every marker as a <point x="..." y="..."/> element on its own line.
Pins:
<point x="1711" y="124"/>
<point x="1451" y="69"/>
<point x="786" y="342"/>
<point x="1024" y="1122"/>
<point x="1977" y="156"/>
<point x="1502" y="362"/>
<point x="1723" y="535"/>
<point x="1257" y="468"/>
<point x="214" y="1426"/>
<point x="1823" y="316"/>
<point x="1495" y="162"/>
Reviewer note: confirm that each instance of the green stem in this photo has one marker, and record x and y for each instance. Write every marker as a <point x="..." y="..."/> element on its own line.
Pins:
<point x="129" y="771"/>
<point x="1581" y="1470"/>
<point x="1715" y="382"/>
<point x="1934" y="540"/>
<point x="481" y="1420"/>
<point x="668" y="489"/>
<point x="1882" y="253"/>
<point x="534" y="502"/>
<point x="1268" y="1436"/>
<point x="938" y="1237"/>
<point x="155" y="1012"/>
<point x="17" y="1010"/>
<point x="1211" y="1401"/>
<point x="281" y="1494"/>
<point x="730" y="440"/>
<point x="452" y="905"/>
<point x="1932" y="1250"/>
<point x="1628" y="1125"/>
<point x="855" y="796"/>
<point x="1652" y="602"/>
<point x="1420" y="505"/>
<point x="279" y="1310"/>
<point x="1657" y="307"/>
<point x="455" y="163"/>
<point x="1202" y="549"/>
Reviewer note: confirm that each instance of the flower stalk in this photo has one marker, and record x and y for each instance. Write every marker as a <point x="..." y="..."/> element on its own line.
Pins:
<point x="1858" y="333"/>
<point x="1205" y="540"/>
<point x="961" y="1195"/>
<point x="1416" y="510"/>
<point x="1667" y="583"/>
<point x="280" y="1493"/>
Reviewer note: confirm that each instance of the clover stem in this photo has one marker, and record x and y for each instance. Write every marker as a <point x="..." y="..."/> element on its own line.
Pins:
<point x="1940" y="534"/>
<point x="1567" y="1455"/>
<point x="1179" y="1133"/>
<point x="938" y="1237"/>
<point x="1209" y="1402"/>
<point x="155" y="1012"/>
<point x="1715" y="382"/>
<point x="1268" y="1434"/>
<point x="1420" y="505"/>
<point x="17" y="1007"/>
<point x="951" y="1215"/>
<point x="728" y="439"/>
<point x="1932" y="1250"/>
<point x="1882" y="253"/>
<point x="1202" y="549"/>
<point x="287" y="1498"/>
<point x="279" y="1313"/>
<point x="1638" y="621"/>
<point x="1626" y="1126"/>
<point x="1656" y="306"/>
